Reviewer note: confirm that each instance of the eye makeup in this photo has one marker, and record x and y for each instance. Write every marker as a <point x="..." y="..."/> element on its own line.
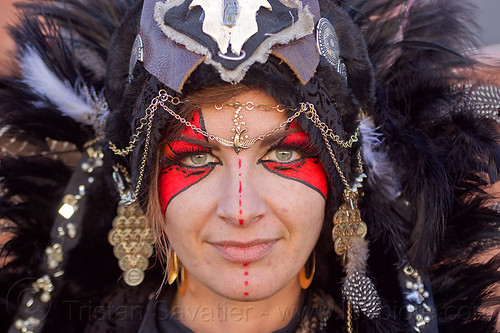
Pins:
<point x="303" y="165"/>
<point x="180" y="167"/>
<point x="175" y="151"/>
<point x="188" y="160"/>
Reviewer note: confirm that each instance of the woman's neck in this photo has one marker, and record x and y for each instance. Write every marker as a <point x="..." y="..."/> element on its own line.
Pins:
<point x="202" y="310"/>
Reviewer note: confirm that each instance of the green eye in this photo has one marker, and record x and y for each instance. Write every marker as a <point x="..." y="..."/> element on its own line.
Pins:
<point x="198" y="158"/>
<point x="284" y="154"/>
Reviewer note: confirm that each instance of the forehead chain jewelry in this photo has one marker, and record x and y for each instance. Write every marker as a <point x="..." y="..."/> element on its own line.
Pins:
<point x="238" y="140"/>
<point x="349" y="229"/>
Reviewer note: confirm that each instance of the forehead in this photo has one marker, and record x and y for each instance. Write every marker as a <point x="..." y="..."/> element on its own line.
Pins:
<point x="257" y="121"/>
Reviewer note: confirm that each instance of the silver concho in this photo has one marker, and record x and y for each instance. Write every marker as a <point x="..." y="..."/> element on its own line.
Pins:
<point x="136" y="55"/>
<point x="328" y="45"/>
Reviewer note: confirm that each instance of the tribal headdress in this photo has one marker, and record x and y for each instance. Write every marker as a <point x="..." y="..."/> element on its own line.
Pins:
<point x="380" y="86"/>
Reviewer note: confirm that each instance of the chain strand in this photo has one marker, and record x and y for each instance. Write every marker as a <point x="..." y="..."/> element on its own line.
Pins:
<point x="334" y="159"/>
<point x="246" y="143"/>
<point x="327" y="133"/>
<point x="349" y="317"/>
<point x="360" y="162"/>
<point x="313" y="116"/>
<point x="252" y="106"/>
<point x="144" y="157"/>
<point x="163" y="96"/>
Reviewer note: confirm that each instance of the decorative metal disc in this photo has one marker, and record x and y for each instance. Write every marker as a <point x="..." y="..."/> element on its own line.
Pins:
<point x="113" y="237"/>
<point x="133" y="277"/>
<point x="131" y="239"/>
<point x="137" y="54"/>
<point x="133" y="261"/>
<point x="119" y="251"/>
<point x="347" y="224"/>
<point x="147" y="250"/>
<point x="328" y="45"/>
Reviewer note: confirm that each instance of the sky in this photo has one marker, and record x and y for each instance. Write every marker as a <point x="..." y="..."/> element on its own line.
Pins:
<point x="489" y="21"/>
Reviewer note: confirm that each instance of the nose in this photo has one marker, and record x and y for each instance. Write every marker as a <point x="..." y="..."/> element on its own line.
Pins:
<point x="240" y="201"/>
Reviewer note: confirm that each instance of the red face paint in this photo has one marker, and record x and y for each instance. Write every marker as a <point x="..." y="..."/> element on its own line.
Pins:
<point x="307" y="169"/>
<point x="176" y="177"/>
<point x="241" y="221"/>
<point x="245" y="273"/>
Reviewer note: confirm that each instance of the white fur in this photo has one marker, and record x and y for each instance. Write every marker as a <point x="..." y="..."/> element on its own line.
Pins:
<point x="382" y="172"/>
<point x="69" y="100"/>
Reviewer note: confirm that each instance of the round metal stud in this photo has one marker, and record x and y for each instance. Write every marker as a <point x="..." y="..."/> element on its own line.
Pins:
<point x="328" y="45"/>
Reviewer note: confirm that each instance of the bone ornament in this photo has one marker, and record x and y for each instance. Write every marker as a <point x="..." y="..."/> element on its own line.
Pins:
<point x="245" y="22"/>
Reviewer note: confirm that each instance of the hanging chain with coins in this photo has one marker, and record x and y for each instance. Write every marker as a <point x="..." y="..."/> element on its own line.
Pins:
<point x="347" y="221"/>
<point x="349" y="232"/>
<point x="131" y="236"/>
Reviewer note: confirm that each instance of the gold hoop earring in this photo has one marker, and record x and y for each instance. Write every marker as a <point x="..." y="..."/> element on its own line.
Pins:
<point x="176" y="272"/>
<point x="173" y="266"/>
<point x="181" y="282"/>
<point x="305" y="281"/>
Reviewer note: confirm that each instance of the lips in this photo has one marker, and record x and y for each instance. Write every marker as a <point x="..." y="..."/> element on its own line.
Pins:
<point x="246" y="252"/>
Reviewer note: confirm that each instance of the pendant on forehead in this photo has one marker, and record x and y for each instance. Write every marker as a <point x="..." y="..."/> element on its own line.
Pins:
<point x="238" y="131"/>
<point x="230" y="22"/>
<point x="239" y="140"/>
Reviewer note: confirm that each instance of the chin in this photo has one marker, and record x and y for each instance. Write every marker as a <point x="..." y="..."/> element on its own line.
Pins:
<point x="247" y="296"/>
<point x="254" y="291"/>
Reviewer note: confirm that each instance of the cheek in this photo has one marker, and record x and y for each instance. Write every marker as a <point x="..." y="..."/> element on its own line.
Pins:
<point x="176" y="179"/>
<point x="309" y="172"/>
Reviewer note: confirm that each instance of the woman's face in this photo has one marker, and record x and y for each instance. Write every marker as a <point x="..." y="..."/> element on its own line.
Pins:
<point x="243" y="225"/>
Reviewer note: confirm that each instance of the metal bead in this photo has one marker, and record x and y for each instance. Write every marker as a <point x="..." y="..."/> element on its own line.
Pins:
<point x="71" y="230"/>
<point x="29" y="303"/>
<point x="45" y="297"/>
